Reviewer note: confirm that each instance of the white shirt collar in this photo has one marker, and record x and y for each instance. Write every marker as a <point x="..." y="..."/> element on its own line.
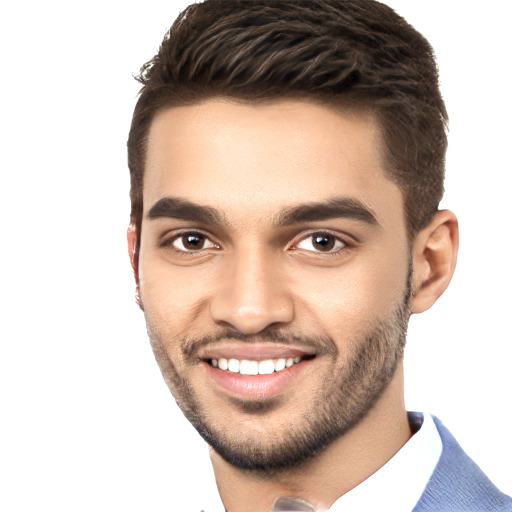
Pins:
<point x="398" y="485"/>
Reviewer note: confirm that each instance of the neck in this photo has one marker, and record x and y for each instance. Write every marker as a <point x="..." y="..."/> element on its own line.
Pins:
<point x="346" y="463"/>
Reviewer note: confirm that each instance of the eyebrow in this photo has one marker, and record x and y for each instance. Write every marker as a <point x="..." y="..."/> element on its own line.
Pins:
<point x="177" y="208"/>
<point x="338" y="207"/>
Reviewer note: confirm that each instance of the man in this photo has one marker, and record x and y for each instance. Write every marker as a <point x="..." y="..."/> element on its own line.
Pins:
<point x="287" y="163"/>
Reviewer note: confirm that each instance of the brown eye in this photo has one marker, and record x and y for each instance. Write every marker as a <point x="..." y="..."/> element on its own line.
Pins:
<point x="189" y="242"/>
<point x="193" y="242"/>
<point x="321" y="242"/>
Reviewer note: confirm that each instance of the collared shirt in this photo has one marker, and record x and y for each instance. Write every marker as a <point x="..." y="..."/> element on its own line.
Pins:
<point x="398" y="485"/>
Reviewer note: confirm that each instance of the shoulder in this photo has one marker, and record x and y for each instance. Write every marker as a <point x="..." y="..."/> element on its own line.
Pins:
<point x="458" y="484"/>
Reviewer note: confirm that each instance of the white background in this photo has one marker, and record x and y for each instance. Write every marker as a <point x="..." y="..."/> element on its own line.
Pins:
<point x="86" y="420"/>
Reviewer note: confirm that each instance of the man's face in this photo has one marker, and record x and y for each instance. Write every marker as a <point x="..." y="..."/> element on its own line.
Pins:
<point x="272" y="243"/>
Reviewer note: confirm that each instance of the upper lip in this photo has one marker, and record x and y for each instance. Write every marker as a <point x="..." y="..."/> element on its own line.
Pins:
<point x="254" y="351"/>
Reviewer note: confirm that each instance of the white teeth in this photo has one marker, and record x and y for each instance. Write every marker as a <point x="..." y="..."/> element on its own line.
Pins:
<point x="234" y="365"/>
<point x="247" y="367"/>
<point x="266" y="367"/>
<point x="280" y="364"/>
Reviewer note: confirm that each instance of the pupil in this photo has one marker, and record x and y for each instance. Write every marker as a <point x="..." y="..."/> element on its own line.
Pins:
<point x="323" y="242"/>
<point x="193" y="241"/>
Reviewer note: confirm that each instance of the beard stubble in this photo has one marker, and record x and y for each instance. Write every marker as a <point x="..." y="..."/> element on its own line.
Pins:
<point x="345" y="400"/>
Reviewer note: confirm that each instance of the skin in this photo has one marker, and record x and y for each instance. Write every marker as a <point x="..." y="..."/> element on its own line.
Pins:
<point x="250" y="163"/>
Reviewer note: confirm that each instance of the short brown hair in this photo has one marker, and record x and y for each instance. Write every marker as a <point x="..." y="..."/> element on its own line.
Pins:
<point x="347" y="53"/>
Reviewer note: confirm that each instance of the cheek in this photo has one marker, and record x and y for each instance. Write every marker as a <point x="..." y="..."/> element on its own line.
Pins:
<point x="348" y="300"/>
<point x="171" y="299"/>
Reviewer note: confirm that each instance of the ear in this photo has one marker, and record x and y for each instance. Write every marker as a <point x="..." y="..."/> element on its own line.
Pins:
<point x="434" y="258"/>
<point x="133" y="238"/>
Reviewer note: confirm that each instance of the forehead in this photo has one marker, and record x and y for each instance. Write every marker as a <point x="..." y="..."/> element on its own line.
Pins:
<point x="259" y="158"/>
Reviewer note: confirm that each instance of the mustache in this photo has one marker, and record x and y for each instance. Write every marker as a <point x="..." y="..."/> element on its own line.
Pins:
<point x="322" y="344"/>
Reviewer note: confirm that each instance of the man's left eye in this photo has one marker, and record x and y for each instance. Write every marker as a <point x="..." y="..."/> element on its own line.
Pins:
<point x="321" y="242"/>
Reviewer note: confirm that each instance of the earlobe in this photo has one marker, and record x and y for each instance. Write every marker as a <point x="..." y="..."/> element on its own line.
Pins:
<point x="132" y="236"/>
<point x="434" y="258"/>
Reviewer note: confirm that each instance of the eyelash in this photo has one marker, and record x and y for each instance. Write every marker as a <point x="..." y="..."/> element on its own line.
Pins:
<point x="345" y="244"/>
<point x="169" y="243"/>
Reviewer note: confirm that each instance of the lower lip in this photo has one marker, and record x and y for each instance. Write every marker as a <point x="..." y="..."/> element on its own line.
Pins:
<point x="255" y="386"/>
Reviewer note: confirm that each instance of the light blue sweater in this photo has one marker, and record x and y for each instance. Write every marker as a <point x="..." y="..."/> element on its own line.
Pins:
<point x="458" y="484"/>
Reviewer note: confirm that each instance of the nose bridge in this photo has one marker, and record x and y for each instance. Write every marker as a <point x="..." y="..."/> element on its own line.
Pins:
<point x="252" y="294"/>
<point x="253" y="283"/>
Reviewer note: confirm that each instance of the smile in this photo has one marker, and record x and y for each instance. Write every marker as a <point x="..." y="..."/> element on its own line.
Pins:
<point x="254" y="371"/>
<point x="252" y="367"/>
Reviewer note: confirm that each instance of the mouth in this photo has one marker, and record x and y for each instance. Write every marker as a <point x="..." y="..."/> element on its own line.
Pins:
<point x="253" y="372"/>
<point x="255" y="367"/>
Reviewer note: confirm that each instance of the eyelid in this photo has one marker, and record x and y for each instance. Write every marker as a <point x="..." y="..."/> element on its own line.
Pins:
<point x="347" y="241"/>
<point x="167" y="239"/>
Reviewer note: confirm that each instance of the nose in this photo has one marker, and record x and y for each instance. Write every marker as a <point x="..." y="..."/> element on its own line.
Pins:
<point x="252" y="295"/>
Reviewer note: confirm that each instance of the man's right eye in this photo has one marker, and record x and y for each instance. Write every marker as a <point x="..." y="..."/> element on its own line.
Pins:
<point x="191" y="242"/>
